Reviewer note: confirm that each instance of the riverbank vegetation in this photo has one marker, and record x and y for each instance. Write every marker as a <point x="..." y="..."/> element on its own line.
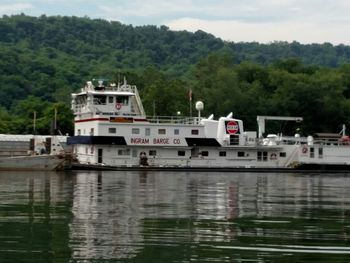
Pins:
<point x="44" y="59"/>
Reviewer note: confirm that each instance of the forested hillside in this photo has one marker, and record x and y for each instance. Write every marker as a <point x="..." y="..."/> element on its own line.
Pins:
<point x="44" y="59"/>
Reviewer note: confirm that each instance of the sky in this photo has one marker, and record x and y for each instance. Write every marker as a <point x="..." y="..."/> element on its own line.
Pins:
<point x="264" y="21"/>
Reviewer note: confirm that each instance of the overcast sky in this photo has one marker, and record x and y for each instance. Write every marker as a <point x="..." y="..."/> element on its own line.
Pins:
<point x="305" y="21"/>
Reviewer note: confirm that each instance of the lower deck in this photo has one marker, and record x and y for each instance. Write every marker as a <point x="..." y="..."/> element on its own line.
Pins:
<point x="244" y="157"/>
<point x="277" y="156"/>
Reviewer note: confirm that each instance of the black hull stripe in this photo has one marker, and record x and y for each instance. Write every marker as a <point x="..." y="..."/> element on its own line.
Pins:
<point x="202" y="142"/>
<point x="103" y="140"/>
<point x="120" y="140"/>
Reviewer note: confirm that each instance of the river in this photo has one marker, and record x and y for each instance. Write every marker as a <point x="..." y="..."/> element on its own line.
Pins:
<point x="170" y="217"/>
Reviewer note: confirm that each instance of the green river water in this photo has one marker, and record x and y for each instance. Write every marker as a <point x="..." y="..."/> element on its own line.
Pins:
<point x="174" y="217"/>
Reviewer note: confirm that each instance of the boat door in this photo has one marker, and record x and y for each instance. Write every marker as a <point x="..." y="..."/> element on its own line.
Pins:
<point x="99" y="155"/>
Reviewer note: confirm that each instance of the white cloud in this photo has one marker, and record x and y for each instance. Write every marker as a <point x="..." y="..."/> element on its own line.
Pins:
<point x="14" y="8"/>
<point x="304" y="32"/>
<point x="237" y="20"/>
<point x="146" y="8"/>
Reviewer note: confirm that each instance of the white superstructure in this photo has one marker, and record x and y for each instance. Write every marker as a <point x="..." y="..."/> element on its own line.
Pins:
<point x="112" y="130"/>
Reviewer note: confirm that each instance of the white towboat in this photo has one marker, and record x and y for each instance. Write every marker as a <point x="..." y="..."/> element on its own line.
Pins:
<point x="113" y="132"/>
<point x="45" y="154"/>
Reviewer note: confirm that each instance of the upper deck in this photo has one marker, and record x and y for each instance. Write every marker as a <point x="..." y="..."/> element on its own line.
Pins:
<point x="117" y="110"/>
<point x="120" y="100"/>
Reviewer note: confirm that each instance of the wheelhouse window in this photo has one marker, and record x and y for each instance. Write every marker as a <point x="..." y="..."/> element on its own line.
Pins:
<point x="147" y="131"/>
<point x="80" y="99"/>
<point x="135" y="131"/>
<point x="99" y="100"/>
<point x="110" y="99"/>
<point x="176" y="131"/>
<point x="283" y="154"/>
<point x="124" y="100"/>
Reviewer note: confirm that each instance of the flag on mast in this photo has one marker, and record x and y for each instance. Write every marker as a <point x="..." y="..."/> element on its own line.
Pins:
<point x="190" y="100"/>
<point x="190" y="95"/>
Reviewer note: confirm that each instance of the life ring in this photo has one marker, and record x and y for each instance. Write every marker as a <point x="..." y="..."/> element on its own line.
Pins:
<point x="304" y="150"/>
<point x="118" y="106"/>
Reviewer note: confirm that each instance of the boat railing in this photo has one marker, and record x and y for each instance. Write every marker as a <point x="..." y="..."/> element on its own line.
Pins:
<point x="174" y="120"/>
<point x="293" y="140"/>
<point x="334" y="142"/>
<point x="323" y="141"/>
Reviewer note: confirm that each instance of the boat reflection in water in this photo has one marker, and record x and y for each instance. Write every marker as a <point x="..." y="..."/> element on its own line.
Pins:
<point x="128" y="214"/>
<point x="174" y="217"/>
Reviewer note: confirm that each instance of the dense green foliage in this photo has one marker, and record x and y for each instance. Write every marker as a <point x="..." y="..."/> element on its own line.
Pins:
<point x="43" y="60"/>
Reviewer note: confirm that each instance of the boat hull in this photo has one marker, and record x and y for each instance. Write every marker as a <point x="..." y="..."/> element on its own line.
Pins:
<point x="32" y="163"/>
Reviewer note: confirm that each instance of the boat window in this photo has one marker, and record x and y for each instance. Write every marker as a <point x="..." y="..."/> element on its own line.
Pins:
<point x="134" y="153"/>
<point x="176" y="131"/>
<point x="259" y="156"/>
<point x="99" y="100"/>
<point x="283" y="154"/>
<point x="112" y="130"/>
<point x="92" y="132"/>
<point x="265" y="156"/>
<point x="181" y="153"/>
<point x="241" y="154"/>
<point x="205" y="153"/>
<point x="312" y="152"/>
<point x="152" y="153"/>
<point x="194" y="132"/>
<point x="222" y="153"/>
<point x="147" y="131"/>
<point x="110" y="99"/>
<point x="80" y="99"/>
<point x="124" y="100"/>
<point x="124" y="152"/>
<point x="79" y="132"/>
<point x="135" y="131"/>
<point x="262" y="156"/>
<point x="161" y="131"/>
<point x="320" y="152"/>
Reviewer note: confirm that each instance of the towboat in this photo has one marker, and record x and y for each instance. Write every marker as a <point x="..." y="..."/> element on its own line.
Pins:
<point x="113" y="132"/>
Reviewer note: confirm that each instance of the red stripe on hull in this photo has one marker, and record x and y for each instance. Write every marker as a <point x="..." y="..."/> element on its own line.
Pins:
<point x="92" y="119"/>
